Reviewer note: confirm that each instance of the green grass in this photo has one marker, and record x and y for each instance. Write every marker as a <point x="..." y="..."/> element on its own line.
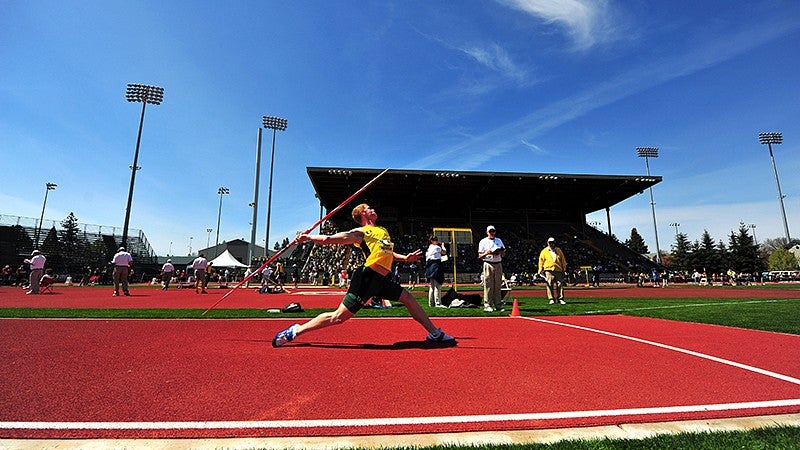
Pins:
<point x="778" y="438"/>
<point x="779" y="315"/>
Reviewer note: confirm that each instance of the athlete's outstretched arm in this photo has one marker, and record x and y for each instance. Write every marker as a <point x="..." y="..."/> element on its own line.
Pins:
<point x="353" y="236"/>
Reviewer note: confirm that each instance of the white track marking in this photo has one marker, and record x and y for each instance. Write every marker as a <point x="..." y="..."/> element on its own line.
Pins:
<point x="673" y="348"/>
<point x="689" y="305"/>
<point x="392" y="421"/>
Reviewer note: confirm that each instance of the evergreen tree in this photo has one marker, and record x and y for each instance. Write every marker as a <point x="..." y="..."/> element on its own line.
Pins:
<point x="705" y="254"/>
<point x="743" y="252"/>
<point x="52" y="250"/>
<point x="70" y="240"/>
<point x="722" y="257"/>
<point x="681" y="253"/>
<point x="636" y="242"/>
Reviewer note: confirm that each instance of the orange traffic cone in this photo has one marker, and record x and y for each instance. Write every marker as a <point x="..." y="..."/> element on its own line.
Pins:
<point x="515" y="309"/>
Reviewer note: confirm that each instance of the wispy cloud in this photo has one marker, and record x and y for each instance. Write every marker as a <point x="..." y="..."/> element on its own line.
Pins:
<point x="481" y="148"/>
<point x="497" y="59"/>
<point x="586" y="22"/>
<point x="533" y="147"/>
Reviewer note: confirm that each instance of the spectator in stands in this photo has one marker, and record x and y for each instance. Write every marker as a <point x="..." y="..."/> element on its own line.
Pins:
<point x="7" y="274"/>
<point x="491" y="250"/>
<point x="553" y="264"/>
<point x="167" y="272"/>
<point x="434" y="272"/>
<point x="371" y="279"/>
<point x="200" y="264"/>
<point x="122" y="262"/>
<point x="36" y="262"/>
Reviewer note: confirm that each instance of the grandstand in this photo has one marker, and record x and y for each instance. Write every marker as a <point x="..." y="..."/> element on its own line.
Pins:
<point x="526" y="207"/>
<point x="95" y="244"/>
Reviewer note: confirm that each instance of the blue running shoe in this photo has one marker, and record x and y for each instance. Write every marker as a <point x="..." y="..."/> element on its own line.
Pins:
<point x="285" y="336"/>
<point x="439" y="337"/>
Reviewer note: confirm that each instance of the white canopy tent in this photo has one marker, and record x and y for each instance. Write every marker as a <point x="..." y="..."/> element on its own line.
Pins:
<point x="226" y="260"/>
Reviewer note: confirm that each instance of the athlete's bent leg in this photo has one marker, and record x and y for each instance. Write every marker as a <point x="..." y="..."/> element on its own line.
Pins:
<point x="326" y="319"/>
<point x="416" y="311"/>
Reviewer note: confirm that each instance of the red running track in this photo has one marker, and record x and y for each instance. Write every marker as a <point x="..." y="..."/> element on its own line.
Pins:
<point x="150" y="297"/>
<point x="211" y="378"/>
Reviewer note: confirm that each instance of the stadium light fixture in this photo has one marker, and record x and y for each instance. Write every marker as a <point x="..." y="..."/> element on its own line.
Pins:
<point x="752" y="226"/>
<point x="647" y="153"/>
<point x="208" y="237"/>
<point x="48" y="187"/>
<point x="769" y="139"/>
<point x="221" y="191"/>
<point x="676" y="225"/>
<point x="143" y="94"/>
<point x="273" y="123"/>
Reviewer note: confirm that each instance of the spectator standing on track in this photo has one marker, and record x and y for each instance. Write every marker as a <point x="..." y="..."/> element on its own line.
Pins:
<point x="413" y="275"/>
<point x="374" y="278"/>
<point x="122" y="262"/>
<point x="36" y="262"/>
<point x="266" y="274"/>
<point x="22" y="275"/>
<point x="597" y="269"/>
<point x="491" y="250"/>
<point x="200" y="264"/>
<point x="167" y="272"/>
<point x="434" y="272"/>
<point x="247" y="274"/>
<point x="86" y="277"/>
<point x="295" y="275"/>
<point x="553" y="264"/>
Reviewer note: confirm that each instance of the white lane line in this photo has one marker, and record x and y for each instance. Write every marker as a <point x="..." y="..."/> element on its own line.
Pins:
<point x="673" y="348"/>
<point x="390" y="421"/>
<point x="689" y="305"/>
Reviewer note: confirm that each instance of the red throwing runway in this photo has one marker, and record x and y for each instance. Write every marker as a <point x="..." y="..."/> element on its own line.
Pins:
<point x="194" y="378"/>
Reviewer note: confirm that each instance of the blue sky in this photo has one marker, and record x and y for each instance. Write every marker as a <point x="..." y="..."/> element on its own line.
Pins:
<point x="569" y="86"/>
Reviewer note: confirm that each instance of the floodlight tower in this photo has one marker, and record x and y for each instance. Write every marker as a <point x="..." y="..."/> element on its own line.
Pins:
<point x="769" y="139"/>
<point x="647" y="153"/>
<point x="49" y="187"/>
<point x="275" y="124"/>
<point x="144" y="94"/>
<point x="221" y="191"/>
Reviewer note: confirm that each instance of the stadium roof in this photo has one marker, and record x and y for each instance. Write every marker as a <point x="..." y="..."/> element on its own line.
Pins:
<point x="468" y="196"/>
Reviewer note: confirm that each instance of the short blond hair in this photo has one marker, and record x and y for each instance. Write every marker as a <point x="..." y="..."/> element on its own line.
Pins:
<point x="358" y="211"/>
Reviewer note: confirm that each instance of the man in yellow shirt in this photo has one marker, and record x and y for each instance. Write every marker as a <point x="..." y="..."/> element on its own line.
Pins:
<point x="553" y="264"/>
<point x="374" y="278"/>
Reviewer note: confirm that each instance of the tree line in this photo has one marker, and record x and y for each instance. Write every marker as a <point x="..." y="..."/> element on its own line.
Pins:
<point x="741" y="253"/>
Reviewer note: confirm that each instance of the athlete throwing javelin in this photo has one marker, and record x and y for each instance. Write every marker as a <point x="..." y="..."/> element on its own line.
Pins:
<point x="374" y="278"/>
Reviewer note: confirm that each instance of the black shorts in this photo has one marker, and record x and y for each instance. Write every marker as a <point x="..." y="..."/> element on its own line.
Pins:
<point x="367" y="283"/>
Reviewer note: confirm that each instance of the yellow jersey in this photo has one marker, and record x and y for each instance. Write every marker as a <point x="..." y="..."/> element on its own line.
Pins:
<point x="377" y="247"/>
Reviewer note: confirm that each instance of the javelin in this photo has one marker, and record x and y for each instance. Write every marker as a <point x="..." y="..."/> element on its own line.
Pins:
<point x="283" y="250"/>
